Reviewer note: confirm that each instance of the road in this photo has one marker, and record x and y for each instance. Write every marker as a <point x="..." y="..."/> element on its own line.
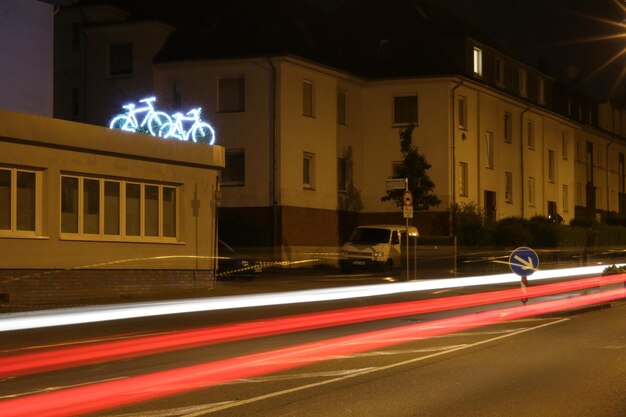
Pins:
<point x="559" y="364"/>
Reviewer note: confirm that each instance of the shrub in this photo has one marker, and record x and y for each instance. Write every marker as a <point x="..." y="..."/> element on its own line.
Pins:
<point x="613" y="269"/>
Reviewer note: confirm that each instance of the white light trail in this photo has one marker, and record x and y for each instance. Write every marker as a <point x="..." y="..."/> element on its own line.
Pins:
<point x="92" y="314"/>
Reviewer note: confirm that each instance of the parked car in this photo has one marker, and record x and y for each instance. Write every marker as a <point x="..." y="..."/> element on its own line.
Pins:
<point x="230" y="263"/>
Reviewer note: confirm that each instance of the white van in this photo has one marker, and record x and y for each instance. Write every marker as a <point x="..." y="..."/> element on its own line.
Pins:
<point x="375" y="246"/>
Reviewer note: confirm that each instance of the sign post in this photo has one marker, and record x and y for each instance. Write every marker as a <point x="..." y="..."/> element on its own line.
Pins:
<point x="523" y="262"/>
<point x="407" y="206"/>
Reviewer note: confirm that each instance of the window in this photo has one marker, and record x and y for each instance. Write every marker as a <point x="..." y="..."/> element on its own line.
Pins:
<point x="404" y="109"/>
<point x="499" y="70"/>
<point x="20" y="203"/>
<point x="343" y="174"/>
<point x="541" y="93"/>
<point x="523" y="90"/>
<point x="463" y="179"/>
<point x="489" y="148"/>
<point x="508" y="187"/>
<point x="589" y="162"/>
<point x="462" y="112"/>
<point x="478" y="62"/>
<point x="231" y="94"/>
<point x="341" y="108"/>
<point x="121" y="60"/>
<point x="531" y="191"/>
<point x="565" y="199"/>
<point x="531" y="134"/>
<point x="117" y="209"/>
<point x="508" y="128"/>
<point x="308" y="170"/>
<point x="564" y="145"/>
<point x="551" y="172"/>
<point x="234" y="172"/>
<point x="307" y="99"/>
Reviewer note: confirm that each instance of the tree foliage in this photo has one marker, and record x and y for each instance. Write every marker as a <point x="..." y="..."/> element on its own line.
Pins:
<point x="413" y="167"/>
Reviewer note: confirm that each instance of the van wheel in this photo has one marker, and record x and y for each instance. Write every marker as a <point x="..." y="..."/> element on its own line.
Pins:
<point x="389" y="265"/>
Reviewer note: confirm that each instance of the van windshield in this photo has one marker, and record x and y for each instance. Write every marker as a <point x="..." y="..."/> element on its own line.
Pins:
<point x="370" y="235"/>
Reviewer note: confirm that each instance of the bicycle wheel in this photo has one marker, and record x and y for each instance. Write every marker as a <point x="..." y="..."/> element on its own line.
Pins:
<point x="157" y="120"/>
<point x="203" y="133"/>
<point x="122" y="122"/>
<point x="167" y="130"/>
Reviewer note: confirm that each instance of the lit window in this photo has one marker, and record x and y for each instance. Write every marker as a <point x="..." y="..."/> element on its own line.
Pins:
<point x="308" y="170"/>
<point x="463" y="179"/>
<point x="121" y="60"/>
<point x="478" y="61"/>
<point x="508" y="187"/>
<point x="308" y="108"/>
<point x="19" y="202"/>
<point x="404" y="109"/>
<point x="235" y="168"/>
<point x="341" y="108"/>
<point x="231" y="93"/>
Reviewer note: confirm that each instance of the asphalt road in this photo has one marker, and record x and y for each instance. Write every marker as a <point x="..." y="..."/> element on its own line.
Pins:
<point x="553" y="365"/>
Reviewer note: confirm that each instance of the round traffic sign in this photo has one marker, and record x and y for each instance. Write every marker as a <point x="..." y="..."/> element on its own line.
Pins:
<point x="523" y="261"/>
<point x="407" y="198"/>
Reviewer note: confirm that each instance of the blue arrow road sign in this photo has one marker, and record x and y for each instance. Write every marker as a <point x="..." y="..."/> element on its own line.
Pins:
<point x="523" y="261"/>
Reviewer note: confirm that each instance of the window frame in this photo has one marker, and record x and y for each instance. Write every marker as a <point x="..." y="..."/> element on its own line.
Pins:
<point x="122" y="234"/>
<point x="240" y="82"/>
<point x="14" y="231"/>
<point x="462" y="110"/>
<point x="551" y="166"/>
<point x="399" y="115"/>
<point x="489" y="150"/>
<point x="308" y="103"/>
<point x="523" y="82"/>
<point x="477" y="61"/>
<point x="308" y="170"/>
<point x="532" y="183"/>
<point x="463" y="179"/>
<point x="508" y="127"/>
<point x="240" y="180"/>
<point x="530" y="133"/>
<point x="127" y="73"/>
<point x="508" y="187"/>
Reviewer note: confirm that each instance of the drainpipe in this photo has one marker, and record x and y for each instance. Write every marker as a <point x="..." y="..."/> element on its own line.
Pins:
<point x="273" y="174"/>
<point x="453" y="185"/>
<point x="521" y="155"/>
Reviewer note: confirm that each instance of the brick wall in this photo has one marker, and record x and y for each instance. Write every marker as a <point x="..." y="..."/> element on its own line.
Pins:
<point x="72" y="286"/>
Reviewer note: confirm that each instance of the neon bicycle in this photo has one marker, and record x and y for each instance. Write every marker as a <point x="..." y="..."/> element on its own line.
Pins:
<point x="151" y="122"/>
<point x="198" y="132"/>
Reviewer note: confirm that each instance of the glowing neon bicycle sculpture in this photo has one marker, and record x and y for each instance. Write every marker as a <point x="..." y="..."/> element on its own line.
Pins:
<point x="198" y="132"/>
<point x="159" y="123"/>
<point x="151" y="122"/>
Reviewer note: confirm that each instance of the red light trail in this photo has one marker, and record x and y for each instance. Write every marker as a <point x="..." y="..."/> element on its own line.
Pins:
<point x="98" y="352"/>
<point x="116" y="393"/>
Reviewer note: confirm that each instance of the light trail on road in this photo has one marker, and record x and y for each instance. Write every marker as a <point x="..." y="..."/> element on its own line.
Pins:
<point x="107" y="395"/>
<point x="24" y="364"/>
<point x="78" y="315"/>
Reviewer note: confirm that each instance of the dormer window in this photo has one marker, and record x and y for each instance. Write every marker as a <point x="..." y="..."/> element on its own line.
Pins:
<point x="478" y="62"/>
<point x="523" y="86"/>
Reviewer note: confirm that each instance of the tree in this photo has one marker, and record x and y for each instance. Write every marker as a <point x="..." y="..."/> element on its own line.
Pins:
<point x="413" y="167"/>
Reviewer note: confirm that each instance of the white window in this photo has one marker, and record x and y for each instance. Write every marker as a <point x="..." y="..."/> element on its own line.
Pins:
<point x="308" y="170"/>
<point x="341" y="108"/>
<point x="531" y="191"/>
<point x="231" y="94"/>
<point x="508" y="187"/>
<point x="489" y="148"/>
<point x="531" y="134"/>
<point x="508" y="127"/>
<point x="462" y="112"/>
<point x="121" y="60"/>
<point x="98" y="208"/>
<point x="405" y="109"/>
<point x="308" y="102"/>
<point x="541" y="90"/>
<point x="20" y="202"/>
<point x="565" y="198"/>
<point x="478" y="62"/>
<point x="234" y="172"/>
<point x="551" y="171"/>
<point x="499" y="70"/>
<point x="523" y="89"/>
<point x="463" y="179"/>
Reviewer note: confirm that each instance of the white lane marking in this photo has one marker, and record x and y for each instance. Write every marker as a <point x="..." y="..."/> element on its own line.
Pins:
<point x="172" y="412"/>
<point x="50" y="389"/>
<point x="367" y="371"/>
<point x="440" y="291"/>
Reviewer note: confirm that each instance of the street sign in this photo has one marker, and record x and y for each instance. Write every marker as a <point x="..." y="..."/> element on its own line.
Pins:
<point x="407" y="212"/>
<point x="407" y="198"/>
<point x="523" y="261"/>
<point x="395" y="183"/>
